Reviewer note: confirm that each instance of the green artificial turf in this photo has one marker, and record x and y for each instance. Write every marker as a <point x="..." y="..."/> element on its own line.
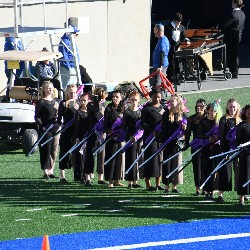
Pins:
<point x="31" y="206"/>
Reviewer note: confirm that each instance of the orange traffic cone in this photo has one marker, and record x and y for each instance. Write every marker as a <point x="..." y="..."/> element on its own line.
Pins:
<point x="45" y="245"/>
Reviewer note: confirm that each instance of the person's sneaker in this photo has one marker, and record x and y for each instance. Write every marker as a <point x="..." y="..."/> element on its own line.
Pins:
<point x="242" y="203"/>
<point x="136" y="186"/>
<point x="52" y="176"/>
<point x="130" y="185"/>
<point x="152" y="189"/>
<point x="88" y="183"/>
<point x="175" y="191"/>
<point x="118" y="184"/>
<point x="220" y="199"/>
<point x="197" y="193"/>
<point x="102" y="182"/>
<point x="63" y="181"/>
<point x="82" y="181"/>
<point x="166" y="191"/>
<point x="160" y="188"/>
<point x="46" y="177"/>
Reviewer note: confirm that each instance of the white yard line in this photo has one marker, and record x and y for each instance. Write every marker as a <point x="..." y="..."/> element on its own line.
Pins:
<point x="211" y="90"/>
<point x="175" y="242"/>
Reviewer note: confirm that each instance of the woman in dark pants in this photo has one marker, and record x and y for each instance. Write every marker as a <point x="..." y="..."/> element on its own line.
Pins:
<point x="81" y="127"/>
<point x="130" y="117"/>
<point x="113" y="171"/>
<point x="151" y="116"/>
<point x="243" y="136"/>
<point x="206" y="125"/>
<point x="67" y="110"/>
<point x="171" y="121"/>
<point x="192" y="127"/>
<point x="45" y="114"/>
<point x="228" y="121"/>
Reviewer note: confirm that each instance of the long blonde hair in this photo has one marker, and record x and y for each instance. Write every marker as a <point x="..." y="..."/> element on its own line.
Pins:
<point x="44" y="86"/>
<point x="179" y="108"/>
<point x="237" y="115"/>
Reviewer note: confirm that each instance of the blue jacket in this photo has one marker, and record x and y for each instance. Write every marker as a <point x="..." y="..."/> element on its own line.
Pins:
<point x="67" y="55"/>
<point x="10" y="45"/>
<point x="160" y="54"/>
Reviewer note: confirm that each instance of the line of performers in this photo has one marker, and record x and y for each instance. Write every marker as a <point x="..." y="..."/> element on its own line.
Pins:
<point x="133" y="141"/>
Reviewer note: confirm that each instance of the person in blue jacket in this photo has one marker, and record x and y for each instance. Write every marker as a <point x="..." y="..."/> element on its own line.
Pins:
<point x="10" y="45"/>
<point x="67" y="64"/>
<point x="160" y="55"/>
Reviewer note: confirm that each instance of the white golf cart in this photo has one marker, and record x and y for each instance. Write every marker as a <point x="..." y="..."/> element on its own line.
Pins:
<point x="17" y="123"/>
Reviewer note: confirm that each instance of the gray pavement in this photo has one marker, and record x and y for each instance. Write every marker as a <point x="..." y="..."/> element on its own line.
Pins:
<point x="217" y="81"/>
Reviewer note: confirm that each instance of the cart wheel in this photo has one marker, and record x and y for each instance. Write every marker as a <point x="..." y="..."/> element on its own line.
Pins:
<point x="199" y="85"/>
<point x="227" y="75"/>
<point x="203" y="75"/>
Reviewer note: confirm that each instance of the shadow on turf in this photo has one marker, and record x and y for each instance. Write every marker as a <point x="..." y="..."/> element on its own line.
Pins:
<point x="116" y="202"/>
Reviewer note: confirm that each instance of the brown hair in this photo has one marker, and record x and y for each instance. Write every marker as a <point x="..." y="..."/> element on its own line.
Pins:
<point x="239" y="3"/>
<point x="134" y="93"/>
<point x="178" y="17"/>
<point x="44" y="85"/>
<point x="101" y="93"/>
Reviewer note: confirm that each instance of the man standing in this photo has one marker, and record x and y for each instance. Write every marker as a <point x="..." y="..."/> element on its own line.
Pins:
<point x="232" y="28"/>
<point x="175" y="32"/>
<point x="67" y="64"/>
<point x="160" y="55"/>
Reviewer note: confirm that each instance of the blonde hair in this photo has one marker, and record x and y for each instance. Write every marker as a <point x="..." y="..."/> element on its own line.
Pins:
<point x="68" y="89"/>
<point x="237" y="115"/>
<point x="44" y="86"/>
<point x="180" y="108"/>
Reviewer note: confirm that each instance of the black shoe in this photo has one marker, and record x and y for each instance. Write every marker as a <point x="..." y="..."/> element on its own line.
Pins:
<point x="101" y="182"/>
<point x="130" y="185"/>
<point x="166" y="191"/>
<point x="175" y="191"/>
<point x="197" y="193"/>
<point x="136" y="186"/>
<point x="52" y="176"/>
<point x="220" y="199"/>
<point x="160" y="188"/>
<point x="46" y="177"/>
<point x="88" y="183"/>
<point x="63" y="181"/>
<point x="152" y="189"/>
<point x="82" y="181"/>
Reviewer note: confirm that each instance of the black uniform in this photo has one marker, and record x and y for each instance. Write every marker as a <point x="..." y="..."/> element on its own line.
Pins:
<point x="243" y="136"/>
<point x="81" y="127"/>
<point x="150" y="117"/>
<point x="192" y="127"/>
<point x="113" y="170"/>
<point x="67" y="111"/>
<point x="225" y="173"/>
<point x="168" y="128"/>
<point x="232" y="28"/>
<point x="129" y="120"/>
<point x="208" y="165"/>
<point x="45" y="114"/>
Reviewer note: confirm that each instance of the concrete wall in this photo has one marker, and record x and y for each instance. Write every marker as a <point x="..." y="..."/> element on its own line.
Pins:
<point x="117" y="46"/>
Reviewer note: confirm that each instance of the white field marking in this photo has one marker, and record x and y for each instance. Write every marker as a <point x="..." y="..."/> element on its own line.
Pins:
<point x="170" y="195"/>
<point x="126" y="201"/>
<point x="34" y="209"/>
<point x="175" y="242"/>
<point x="69" y="215"/>
<point x="80" y="205"/>
<point x="114" y="210"/>
<point x="22" y="219"/>
<point x="211" y="90"/>
<point x="206" y="201"/>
